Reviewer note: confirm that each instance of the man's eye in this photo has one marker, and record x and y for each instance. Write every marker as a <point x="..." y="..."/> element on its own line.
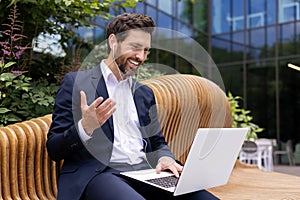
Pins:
<point x="136" y="49"/>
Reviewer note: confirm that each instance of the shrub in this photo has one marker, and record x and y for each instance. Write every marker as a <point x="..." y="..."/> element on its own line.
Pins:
<point x="241" y="118"/>
<point x="20" y="99"/>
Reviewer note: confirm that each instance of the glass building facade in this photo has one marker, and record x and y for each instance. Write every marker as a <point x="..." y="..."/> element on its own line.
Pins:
<point x="260" y="38"/>
<point x="251" y="42"/>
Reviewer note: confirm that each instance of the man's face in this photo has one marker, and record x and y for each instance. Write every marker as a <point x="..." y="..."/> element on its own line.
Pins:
<point x="132" y="52"/>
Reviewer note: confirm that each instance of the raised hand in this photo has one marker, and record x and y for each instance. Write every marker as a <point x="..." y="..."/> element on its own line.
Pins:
<point x="96" y="114"/>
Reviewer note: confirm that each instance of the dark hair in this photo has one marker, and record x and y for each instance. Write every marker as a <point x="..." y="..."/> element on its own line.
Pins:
<point x="127" y="21"/>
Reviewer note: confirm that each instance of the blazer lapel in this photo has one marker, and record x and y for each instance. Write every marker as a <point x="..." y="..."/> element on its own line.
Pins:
<point x="100" y="88"/>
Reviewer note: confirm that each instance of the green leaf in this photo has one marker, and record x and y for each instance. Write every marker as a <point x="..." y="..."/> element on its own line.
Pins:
<point x="4" y="110"/>
<point x="7" y="76"/>
<point x="242" y="117"/>
<point x="3" y="66"/>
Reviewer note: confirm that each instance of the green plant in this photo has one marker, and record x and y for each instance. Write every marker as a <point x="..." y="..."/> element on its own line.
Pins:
<point x="20" y="99"/>
<point x="241" y="118"/>
<point x="11" y="38"/>
<point x="12" y="86"/>
<point x="57" y="16"/>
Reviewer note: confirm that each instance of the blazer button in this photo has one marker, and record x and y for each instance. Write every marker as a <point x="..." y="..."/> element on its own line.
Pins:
<point x="98" y="170"/>
<point x="74" y="145"/>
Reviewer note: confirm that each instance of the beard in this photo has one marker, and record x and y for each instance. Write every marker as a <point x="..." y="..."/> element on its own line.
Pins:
<point x="122" y="63"/>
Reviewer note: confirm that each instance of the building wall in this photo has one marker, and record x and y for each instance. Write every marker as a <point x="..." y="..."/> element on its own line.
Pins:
<point x="251" y="43"/>
<point x="260" y="38"/>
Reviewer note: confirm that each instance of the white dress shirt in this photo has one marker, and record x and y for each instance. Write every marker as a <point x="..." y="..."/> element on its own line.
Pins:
<point x="128" y="142"/>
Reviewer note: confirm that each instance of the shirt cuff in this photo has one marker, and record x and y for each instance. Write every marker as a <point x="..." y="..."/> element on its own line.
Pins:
<point x="84" y="137"/>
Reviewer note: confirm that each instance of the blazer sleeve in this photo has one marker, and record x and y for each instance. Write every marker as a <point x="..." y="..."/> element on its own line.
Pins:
<point x="63" y="139"/>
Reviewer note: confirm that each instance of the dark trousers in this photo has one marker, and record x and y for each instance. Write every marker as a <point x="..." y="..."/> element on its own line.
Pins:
<point x="110" y="185"/>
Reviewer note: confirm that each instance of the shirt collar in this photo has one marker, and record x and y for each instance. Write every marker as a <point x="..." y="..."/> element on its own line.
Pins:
<point x="109" y="76"/>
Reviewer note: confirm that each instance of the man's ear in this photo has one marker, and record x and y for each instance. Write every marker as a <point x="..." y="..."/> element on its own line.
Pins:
<point x="112" y="41"/>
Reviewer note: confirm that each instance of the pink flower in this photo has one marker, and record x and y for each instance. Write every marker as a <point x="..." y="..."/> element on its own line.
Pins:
<point x="18" y="47"/>
<point x="18" y="54"/>
<point x="6" y="52"/>
<point x="17" y="72"/>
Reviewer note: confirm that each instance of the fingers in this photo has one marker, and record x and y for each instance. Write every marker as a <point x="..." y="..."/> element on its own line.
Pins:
<point x="96" y="114"/>
<point x="168" y="163"/>
<point x="174" y="170"/>
<point x="83" y="99"/>
<point x="84" y="105"/>
<point x="158" y="168"/>
<point x="105" y="110"/>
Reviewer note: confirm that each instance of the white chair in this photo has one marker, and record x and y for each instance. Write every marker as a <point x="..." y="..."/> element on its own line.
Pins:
<point x="258" y="153"/>
<point x="266" y="145"/>
<point x="287" y="151"/>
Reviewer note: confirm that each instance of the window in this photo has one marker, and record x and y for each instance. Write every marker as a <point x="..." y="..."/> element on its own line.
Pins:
<point x="256" y="43"/>
<point x="271" y="41"/>
<point x="164" y="21"/>
<point x="232" y="77"/>
<point x="288" y="10"/>
<point x="152" y="13"/>
<point x="287" y="39"/>
<point x="220" y="11"/>
<point x="261" y="96"/>
<point x="221" y="48"/>
<point x="166" y="6"/>
<point x="256" y="13"/>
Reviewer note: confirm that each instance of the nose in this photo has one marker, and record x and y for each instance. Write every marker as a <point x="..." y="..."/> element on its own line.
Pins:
<point x="141" y="55"/>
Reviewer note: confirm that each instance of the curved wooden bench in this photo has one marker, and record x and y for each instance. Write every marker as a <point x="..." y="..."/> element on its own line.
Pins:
<point x="21" y="159"/>
<point x="5" y="184"/>
<point x="30" y="160"/>
<point x="13" y="162"/>
<point x="184" y="103"/>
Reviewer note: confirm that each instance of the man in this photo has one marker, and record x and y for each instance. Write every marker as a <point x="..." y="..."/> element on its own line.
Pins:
<point x="105" y="122"/>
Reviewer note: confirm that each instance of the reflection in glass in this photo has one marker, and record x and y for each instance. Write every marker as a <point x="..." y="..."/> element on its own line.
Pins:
<point x="151" y="2"/>
<point x="237" y="46"/>
<point x="256" y="43"/>
<point x="261" y="96"/>
<point x="164" y="20"/>
<point x="271" y="15"/>
<point x="289" y="115"/>
<point x="221" y="48"/>
<point x="185" y="11"/>
<point x="186" y="29"/>
<point x="232" y="77"/>
<point x="152" y="13"/>
<point x="288" y="10"/>
<point x="271" y="41"/>
<point x="139" y="7"/>
<point x="287" y="39"/>
<point x="220" y="11"/>
<point x="237" y="18"/>
<point x="256" y="14"/>
<point x="229" y="15"/>
<point x="166" y="6"/>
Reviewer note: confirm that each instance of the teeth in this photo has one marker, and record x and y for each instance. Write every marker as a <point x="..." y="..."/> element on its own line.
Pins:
<point x="134" y="62"/>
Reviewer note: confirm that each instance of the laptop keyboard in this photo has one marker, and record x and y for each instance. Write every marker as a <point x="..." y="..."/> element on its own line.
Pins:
<point x="167" y="181"/>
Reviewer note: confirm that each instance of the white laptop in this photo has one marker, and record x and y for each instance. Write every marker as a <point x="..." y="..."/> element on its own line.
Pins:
<point x="209" y="163"/>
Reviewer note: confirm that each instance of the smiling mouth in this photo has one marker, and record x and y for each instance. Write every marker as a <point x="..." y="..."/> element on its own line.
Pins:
<point x="134" y="62"/>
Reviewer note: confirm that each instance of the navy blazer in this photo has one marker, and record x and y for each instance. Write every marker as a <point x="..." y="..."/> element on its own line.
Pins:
<point x="82" y="161"/>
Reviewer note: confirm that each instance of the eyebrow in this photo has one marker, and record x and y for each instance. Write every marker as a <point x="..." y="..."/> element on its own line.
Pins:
<point x="135" y="44"/>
